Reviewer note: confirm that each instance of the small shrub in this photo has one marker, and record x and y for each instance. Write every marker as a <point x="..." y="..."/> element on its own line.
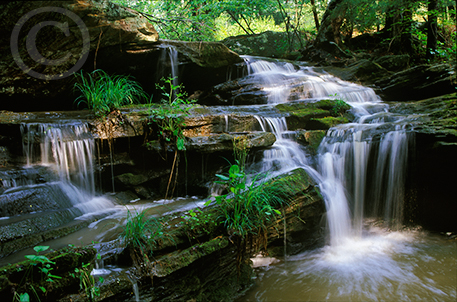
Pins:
<point x="103" y="93"/>
<point x="170" y="115"/>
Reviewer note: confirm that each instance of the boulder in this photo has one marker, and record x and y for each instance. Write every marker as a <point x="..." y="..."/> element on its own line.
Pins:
<point x="267" y="44"/>
<point x="88" y="26"/>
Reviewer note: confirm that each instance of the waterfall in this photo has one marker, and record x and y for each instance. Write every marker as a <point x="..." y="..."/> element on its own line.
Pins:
<point x="344" y="156"/>
<point x="168" y="64"/>
<point x="344" y="174"/>
<point x="285" y="154"/>
<point x="285" y="82"/>
<point x="68" y="149"/>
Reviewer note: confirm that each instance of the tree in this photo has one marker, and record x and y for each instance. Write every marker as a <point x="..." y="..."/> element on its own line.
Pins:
<point x="432" y="29"/>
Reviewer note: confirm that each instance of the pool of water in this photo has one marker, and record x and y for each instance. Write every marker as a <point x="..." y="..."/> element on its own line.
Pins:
<point x="381" y="265"/>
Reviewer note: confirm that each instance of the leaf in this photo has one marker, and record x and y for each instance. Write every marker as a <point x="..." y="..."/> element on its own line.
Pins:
<point x="24" y="297"/>
<point x="38" y="258"/>
<point x="40" y="248"/>
<point x="180" y="144"/>
<point x="223" y="177"/>
<point x="234" y="170"/>
<point x="42" y="289"/>
<point x="54" y="276"/>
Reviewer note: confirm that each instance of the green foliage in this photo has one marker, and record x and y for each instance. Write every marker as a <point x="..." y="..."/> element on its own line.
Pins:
<point x="140" y="231"/>
<point x="249" y="206"/>
<point x="213" y="20"/>
<point x="339" y="108"/>
<point x="87" y="281"/>
<point x="171" y="113"/>
<point x="198" y="221"/>
<point x="103" y="93"/>
<point x="44" y="266"/>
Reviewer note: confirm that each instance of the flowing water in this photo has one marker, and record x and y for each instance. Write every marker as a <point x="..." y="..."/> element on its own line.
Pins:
<point x="68" y="150"/>
<point x="360" y="170"/>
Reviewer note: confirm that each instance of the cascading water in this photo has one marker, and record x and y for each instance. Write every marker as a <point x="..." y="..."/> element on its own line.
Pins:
<point x="68" y="149"/>
<point x="168" y="64"/>
<point x="361" y="171"/>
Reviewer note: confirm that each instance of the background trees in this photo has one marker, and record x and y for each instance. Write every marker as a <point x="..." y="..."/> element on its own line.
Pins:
<point x="424" y="29"/>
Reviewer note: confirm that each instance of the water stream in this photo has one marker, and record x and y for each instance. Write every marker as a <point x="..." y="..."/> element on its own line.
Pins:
<point x="360" y="170"/>
<point x="370" y="256"/>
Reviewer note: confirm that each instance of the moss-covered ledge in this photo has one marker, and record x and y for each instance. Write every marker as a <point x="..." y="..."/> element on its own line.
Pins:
<point x="17" y="277"/>
<point x="320" y="115"/>
<point x="176" y="260"/>
<point x="437" y="115"/>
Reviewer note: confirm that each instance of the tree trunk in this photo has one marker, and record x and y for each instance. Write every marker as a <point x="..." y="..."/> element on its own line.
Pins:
<point x="431" y="29"/>
<point x="332" y="20"/>
<point x="316" y="18"/>
<point x="406" y="28"/>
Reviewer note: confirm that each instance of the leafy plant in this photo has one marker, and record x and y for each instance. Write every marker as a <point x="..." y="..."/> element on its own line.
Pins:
<point x="103" y="93"/>
<point x="44" y="265"/>
<point x="87" y="281"/>
<point x="199" y="221"/>
<point x="248" y="206"/>
<point x="170" y="115"/>
<point x="339" y="108"/>
<point x="170" y="118"/>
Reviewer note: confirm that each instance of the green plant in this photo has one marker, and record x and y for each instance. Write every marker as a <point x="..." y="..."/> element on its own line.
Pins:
<point x="171" y="113"/>
<point x="44" y="265"/>
<point x="87" y="281"/>
<point x="170" y="118"/>
<point x="198" y="221"/>
<point x="139" y="233"/>
<point x="103" y="93"/>
<point x="339" y="108"/>
<point x="248" y="206"/>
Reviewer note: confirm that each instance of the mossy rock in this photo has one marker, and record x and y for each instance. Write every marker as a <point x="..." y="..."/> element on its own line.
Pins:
<point x="311" y="138"/>
<point x="18" y="277"/>
<point x="320" y="115"/>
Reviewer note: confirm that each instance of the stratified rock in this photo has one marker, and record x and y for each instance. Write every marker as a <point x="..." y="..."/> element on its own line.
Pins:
<point x="245" y="91"/>
<point x="320" y="115"/>
<point x="393" y="62"/>
<point x="206" y="54"/>
<point x="418" y="83"/>
<point x="436" y="116"/>
<point x="92" y="25"/>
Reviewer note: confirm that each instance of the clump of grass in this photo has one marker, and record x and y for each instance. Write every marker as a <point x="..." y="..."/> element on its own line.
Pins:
<point x="103" y="93"/>
<point x="140" y="231"/>
<point x="249" y="206"/>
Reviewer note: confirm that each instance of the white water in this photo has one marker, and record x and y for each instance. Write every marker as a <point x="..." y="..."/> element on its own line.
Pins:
<point x="168" y="65"/>
<point x="360" y="263"/>
<point x="68" y="149"/>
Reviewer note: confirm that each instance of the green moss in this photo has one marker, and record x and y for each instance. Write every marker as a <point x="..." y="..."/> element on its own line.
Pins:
<point x="179" y="259"/>
<point x="330" y="121"/>
<point x="312" y="138"/>
<point x="303" y="115"/>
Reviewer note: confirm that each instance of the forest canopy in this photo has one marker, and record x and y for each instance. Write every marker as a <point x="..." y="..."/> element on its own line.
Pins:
<point x="424" y="29"/>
